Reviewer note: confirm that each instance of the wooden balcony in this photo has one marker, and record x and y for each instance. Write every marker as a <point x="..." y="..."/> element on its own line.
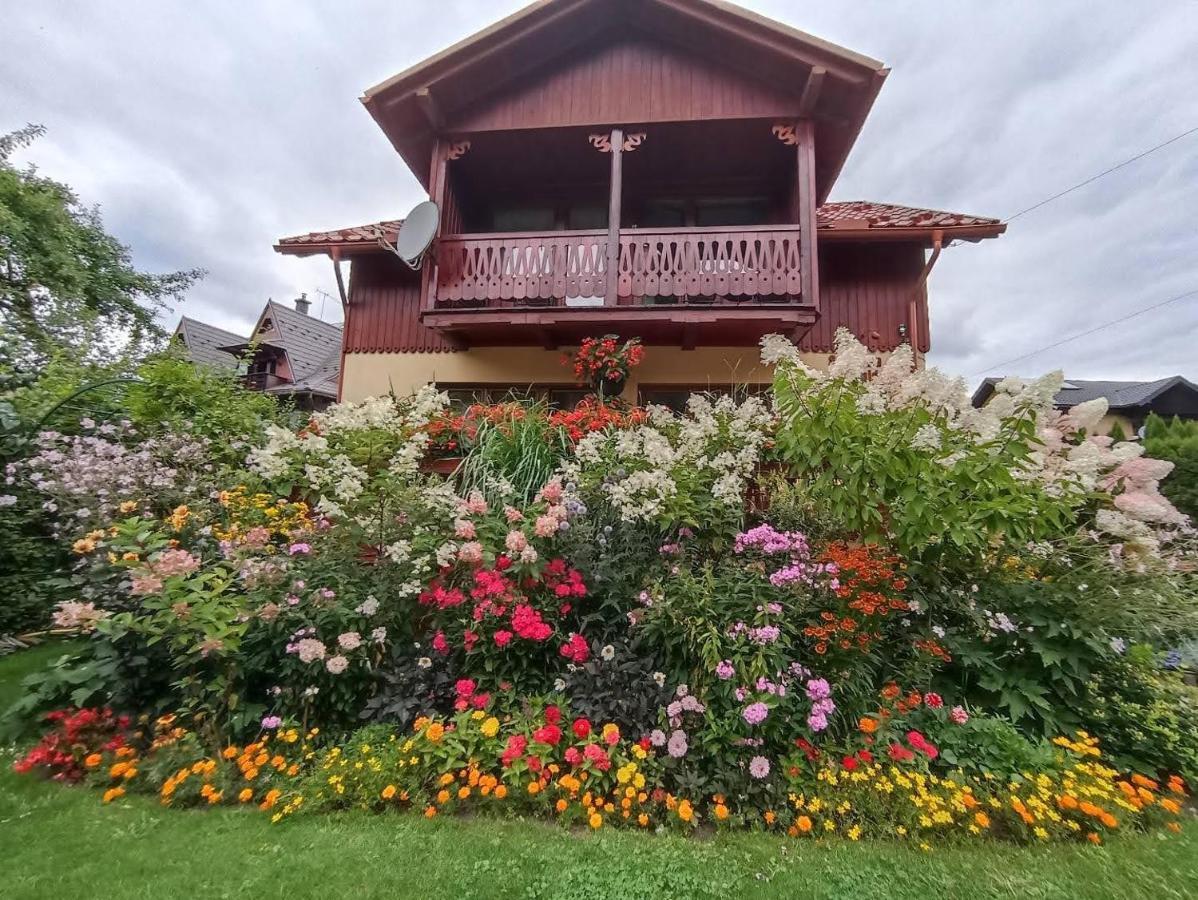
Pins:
<point x="724" y="285"/>
<point x="262" y="381"/>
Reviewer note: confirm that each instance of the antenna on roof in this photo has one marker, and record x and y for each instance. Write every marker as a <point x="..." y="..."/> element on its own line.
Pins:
<point x="416" y="234"/>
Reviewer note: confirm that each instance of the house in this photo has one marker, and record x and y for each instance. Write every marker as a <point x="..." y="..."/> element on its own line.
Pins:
<point x="289" y="353"/>
<point x="1130" y="401"/>
<point x="651" y="168"/>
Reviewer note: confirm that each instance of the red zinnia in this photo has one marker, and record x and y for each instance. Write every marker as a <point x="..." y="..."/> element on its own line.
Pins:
<point x="582" y="728"/>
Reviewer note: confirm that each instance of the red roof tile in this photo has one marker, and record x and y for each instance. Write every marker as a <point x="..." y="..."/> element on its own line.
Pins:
<point x="848" y="215"/>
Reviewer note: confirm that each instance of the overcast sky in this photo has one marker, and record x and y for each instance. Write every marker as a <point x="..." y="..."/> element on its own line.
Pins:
<point x="205" y="131"/>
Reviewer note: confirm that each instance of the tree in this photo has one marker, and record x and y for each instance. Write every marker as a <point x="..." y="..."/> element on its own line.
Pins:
<point x="61" y="272"/>
<point x="1176" y="441"/>
<point x="1117" y="434"/>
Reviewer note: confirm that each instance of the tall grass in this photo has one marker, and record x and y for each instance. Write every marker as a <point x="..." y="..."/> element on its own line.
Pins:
<point x="523" y="451"/>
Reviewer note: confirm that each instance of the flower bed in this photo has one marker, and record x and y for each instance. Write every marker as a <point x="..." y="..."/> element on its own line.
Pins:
<point x="889" y="640"/>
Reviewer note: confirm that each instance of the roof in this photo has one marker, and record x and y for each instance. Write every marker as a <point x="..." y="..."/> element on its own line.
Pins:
<point x="307" y="340"/>
<point x="203" y="342"/>
<point x="849" y="219"/>
<point x="412" y="106"/>
<point x="313" y="347"/>
<point x="1119" y="394"/>
<point x="321" y="381"/>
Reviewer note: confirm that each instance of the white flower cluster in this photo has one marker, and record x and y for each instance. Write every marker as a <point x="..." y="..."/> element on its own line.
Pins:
<point x="1067" y="459"/>
<point x="713" y="448"/>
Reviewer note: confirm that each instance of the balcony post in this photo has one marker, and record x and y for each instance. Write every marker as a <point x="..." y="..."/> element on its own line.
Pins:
<point x="805" y="202"/>
<point x="437" y="176"/>
<point x="613" y="218"/>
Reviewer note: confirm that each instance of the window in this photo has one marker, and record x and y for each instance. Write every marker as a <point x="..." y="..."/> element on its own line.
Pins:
<point x="675" y="396"/>
<point x="523" y="218"/>
<point x="556" y="396"/>
<point x="586" y="217"/>
<point x="732" y="211"/>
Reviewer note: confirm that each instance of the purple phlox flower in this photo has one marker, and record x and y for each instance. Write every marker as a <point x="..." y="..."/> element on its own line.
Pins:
<point x="299" y="549"/>
<point x="759" y="767"/>
<point x="271" y="722"/>
<point x="756" y="713"/>
<point x="677" y="746"/>
<point x="725" y="670"/>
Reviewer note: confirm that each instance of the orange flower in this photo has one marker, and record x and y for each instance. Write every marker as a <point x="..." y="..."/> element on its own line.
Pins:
<point x="561" y="805"/>
<point x="500" y="792"/>
<point x="981" y="819"/>
<point x="868" y="725"/>
<point x="803" y="823"/>
<point x="442" y="796"/>
<point x="245" y="796"/>
<point x="1170" y="806"/>
<point x="721" y="811"/>
<point x="595" y="821"/>
<point x="463" y="793"/>
<point x="534" y="787"/>
<point x="1093" y="838"/>
<point x="1175" y="827"/>
<point x="430" y="811"/>
<point x="93" y="760"/>
<point x="389" y="792"/>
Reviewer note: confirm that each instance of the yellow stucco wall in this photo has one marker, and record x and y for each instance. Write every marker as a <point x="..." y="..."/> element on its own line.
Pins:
<point x="1108" y="422"/>
<point x="372" y="374"/>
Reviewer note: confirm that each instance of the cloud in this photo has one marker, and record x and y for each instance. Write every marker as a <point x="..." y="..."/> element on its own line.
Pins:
<point x="207" y="131"/>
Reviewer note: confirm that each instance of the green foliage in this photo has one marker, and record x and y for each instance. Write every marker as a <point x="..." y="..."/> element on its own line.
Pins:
<point x="1147" y="716"/>
<point x="174" y="394"/>
<point x="987" y="744"/>
<point x="1176" y="441"/>
<point x="1116" y="433"/>
<point x="515" y="455"/>
<point x="61" y="269"/>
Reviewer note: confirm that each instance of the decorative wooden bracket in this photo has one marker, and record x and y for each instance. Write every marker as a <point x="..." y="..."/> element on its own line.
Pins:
<point x="602" y="142"/>
<point x="457" y="149"/>
<point x="786" y="134"/>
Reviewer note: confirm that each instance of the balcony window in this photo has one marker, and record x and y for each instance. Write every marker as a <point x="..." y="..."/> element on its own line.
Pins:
<point x="524" y="218"/>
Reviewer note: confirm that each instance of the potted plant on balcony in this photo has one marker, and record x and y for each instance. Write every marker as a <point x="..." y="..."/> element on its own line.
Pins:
<point x="604" y="363"/>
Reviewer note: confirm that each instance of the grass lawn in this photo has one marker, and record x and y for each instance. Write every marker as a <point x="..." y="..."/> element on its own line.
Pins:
<point x="62" y="843"/>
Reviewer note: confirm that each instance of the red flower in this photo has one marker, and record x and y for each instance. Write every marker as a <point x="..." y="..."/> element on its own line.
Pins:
<point x="534" y="763"/>
<point x="573" y="756"/>
<point x="548" y="734"/>
<point x="480" y="701"/>
<point x="465" y="687"/>
<point x="576" y="649"/>
<point x="849" y="763"/>
<point x="933" y="701"/>
<point x="528" y="624"/>
<point x="440" y="644"/>
<point x="582" y="728"/>
<point x="865" y="756"/>
<point x="502" y="638"/>
<point x="899" y="753"/>
<point x="553" y="715"/>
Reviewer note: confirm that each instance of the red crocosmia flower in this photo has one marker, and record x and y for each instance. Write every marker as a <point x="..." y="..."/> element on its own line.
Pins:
<point x="548" y="734"/>
<point x="933" y="700"/>
<point x="553" y="715"/>
<point x="849" y="763"/>
<point x="502" y="638"/>
<point x="582" y="728"/>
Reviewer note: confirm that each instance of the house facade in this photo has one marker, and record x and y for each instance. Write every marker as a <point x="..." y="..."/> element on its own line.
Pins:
<point x="649" y="168"/>
<point x="1129" y="402"/>
<point x="288" y="354"/>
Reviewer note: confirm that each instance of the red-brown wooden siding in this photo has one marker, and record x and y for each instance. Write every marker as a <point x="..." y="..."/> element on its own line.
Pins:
<point x="865" y="287"/>
<point x="383" y="315"/>
<point x="627" y="82"/>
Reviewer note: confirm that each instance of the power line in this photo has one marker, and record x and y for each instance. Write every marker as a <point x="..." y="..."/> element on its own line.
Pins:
<point x="1091" y="331"/>
<point x="1093" y="178"/>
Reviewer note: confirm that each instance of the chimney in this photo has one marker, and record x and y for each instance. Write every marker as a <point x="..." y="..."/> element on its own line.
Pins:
<point x="303" y="304"/>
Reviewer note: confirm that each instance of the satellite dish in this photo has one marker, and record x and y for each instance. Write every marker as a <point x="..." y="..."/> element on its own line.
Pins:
<point x="417" y="233"/>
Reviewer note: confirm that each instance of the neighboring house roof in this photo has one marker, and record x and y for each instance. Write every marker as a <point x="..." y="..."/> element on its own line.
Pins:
<point x="313" y="347"/>
<point x="203" y="343"/>
<point x="1119" y="394"/>
<point x="856" y="218"/>
<point x="322" y="381"/>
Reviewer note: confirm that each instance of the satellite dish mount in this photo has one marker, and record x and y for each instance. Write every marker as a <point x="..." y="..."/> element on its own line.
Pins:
<point x="416" y="234"/>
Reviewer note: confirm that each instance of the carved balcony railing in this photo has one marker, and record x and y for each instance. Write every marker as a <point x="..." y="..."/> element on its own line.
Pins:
<point x="656" y="265"/>
<point x="535" y="268"/>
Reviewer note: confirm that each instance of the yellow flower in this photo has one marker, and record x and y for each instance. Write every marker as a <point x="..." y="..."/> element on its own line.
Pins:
<point x="643" y="820"/>
<point x="721" y="811"/>
<point x="245" y="796"/>
<point x="490" y="728"/>
<point x="127" y="506"/>
<point x="685" y="811"/>
<point x="595" y="821"/>
<point x="112" y="793"/>
<point x="389" y="792"/>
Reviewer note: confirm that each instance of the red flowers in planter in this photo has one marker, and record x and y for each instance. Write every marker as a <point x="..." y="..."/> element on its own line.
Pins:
<point x="605" y="359"/>
<point x="591" y="415"/>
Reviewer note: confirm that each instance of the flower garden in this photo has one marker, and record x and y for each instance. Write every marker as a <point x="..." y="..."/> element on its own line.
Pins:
<point x="854" y="607"/>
